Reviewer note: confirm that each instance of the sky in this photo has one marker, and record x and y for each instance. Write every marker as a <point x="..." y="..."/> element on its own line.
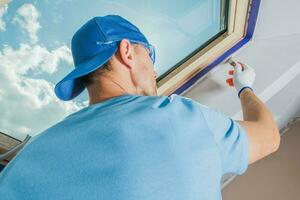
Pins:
<point x="35" y="49"/>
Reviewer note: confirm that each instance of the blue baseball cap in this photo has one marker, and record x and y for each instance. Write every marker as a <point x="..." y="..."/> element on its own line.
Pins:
<point x="93" y="45"/>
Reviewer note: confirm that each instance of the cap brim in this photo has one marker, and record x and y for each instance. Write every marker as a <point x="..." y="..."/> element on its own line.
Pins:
<point x="70" y="86"/>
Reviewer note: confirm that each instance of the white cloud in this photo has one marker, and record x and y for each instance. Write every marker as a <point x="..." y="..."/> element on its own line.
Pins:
<point x="27" y="17"/>
<point x="29" y="105"/>
<point x="36" y="58"/>
<point x="3" y="11"/>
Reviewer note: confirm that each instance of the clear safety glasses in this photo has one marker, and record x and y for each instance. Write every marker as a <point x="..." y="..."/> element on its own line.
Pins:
<point x="148" y="46"/>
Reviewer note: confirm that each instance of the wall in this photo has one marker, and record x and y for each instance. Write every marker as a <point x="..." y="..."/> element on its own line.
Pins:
<point x="276" y="177"/>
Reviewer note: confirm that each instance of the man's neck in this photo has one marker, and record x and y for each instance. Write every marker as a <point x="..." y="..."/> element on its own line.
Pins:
<point x="104" y="96"/>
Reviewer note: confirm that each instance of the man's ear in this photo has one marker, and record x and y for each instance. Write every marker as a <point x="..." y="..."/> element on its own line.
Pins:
<point x="126" y="52"/>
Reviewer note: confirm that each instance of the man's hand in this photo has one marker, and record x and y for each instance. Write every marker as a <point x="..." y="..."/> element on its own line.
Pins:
<point x="243" y="77"/>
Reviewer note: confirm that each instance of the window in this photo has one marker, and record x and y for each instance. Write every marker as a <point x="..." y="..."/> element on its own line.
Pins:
<point x="234" y="23"/>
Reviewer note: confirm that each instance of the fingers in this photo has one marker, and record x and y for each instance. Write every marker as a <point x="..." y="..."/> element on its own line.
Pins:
<point x="238" y="67"/>
<point x="235" y="64"/>
<point x="230" y="81"/>
<point x="247" y="68"/>
<point x="242" y="64"/>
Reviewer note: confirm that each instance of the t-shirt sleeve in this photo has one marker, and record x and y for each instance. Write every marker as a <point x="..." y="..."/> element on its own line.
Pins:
<point x="230" y="137"/>
<point x="231" y="140"/>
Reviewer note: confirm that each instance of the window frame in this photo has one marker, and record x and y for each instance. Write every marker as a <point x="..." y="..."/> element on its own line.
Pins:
<point x="9" y="148"/>
<point x="241" y="22"/>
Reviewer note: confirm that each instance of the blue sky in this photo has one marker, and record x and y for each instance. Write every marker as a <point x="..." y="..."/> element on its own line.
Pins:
<point x="35" y="49"/>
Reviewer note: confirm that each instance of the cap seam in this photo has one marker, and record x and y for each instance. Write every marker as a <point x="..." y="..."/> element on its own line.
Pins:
<point x="100" y="30"/>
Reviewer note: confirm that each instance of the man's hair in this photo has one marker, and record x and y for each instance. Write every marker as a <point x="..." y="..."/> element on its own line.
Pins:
<point x="90" y="78"/>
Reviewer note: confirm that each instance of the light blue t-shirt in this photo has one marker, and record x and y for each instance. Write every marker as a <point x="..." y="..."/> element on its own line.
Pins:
<point x="130" y="147"/>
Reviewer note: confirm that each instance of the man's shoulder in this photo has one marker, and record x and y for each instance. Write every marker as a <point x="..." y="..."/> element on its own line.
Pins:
<point x="186" y="101"/>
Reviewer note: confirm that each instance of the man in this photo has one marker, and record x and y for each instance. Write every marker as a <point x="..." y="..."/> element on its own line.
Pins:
<point x="130" y="143"/>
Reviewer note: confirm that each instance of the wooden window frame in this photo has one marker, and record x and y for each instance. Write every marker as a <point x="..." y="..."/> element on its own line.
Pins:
<point x="238" y="20"/>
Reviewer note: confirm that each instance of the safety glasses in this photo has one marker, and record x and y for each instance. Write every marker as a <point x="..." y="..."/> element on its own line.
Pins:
<point x="148" y="46"/>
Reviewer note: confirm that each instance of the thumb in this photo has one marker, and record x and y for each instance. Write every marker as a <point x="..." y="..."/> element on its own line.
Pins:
<point x="248" y="68"/>
<point x="238" y="68"/>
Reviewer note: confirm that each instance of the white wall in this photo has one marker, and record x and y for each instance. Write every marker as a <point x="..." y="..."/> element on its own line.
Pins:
<point x="274" y="53"/>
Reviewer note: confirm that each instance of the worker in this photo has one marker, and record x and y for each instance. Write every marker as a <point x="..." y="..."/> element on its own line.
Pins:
<point x="129" y="143"/>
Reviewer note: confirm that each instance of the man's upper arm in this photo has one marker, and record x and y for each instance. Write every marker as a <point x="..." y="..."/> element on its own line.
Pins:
<point x="231" y="139"/>
<point x="260" y="142"/>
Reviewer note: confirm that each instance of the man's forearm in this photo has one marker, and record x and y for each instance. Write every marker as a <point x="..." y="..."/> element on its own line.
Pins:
<point x="253" y="108"/>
